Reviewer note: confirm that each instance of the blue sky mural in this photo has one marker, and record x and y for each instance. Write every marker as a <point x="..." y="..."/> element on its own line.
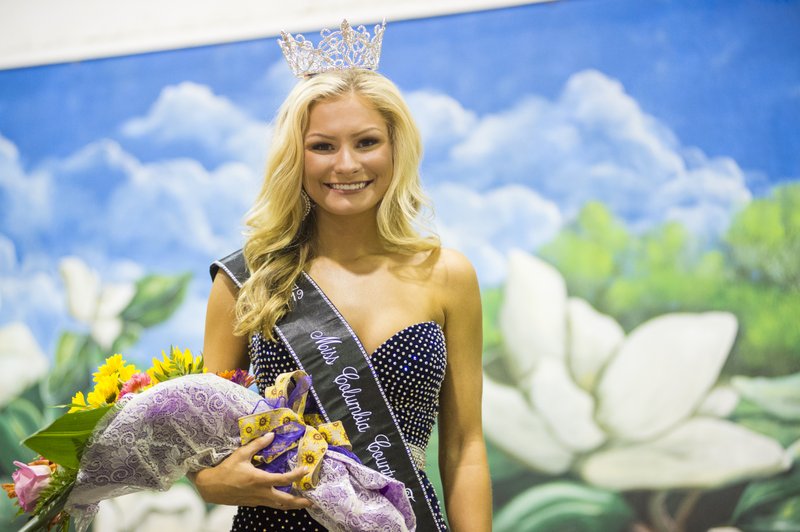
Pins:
<point x="665" y="110"/>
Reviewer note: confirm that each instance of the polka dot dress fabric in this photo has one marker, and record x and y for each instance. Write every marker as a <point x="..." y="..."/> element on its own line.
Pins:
<point x="410" y="366"/>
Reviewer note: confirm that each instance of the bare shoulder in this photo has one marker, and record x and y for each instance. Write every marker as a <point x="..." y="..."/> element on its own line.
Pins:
<point x="456" y="282"/>
<point x="453" y="268"/>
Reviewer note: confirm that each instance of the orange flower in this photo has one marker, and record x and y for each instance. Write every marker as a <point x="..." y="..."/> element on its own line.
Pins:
<point x="10" y="490"/>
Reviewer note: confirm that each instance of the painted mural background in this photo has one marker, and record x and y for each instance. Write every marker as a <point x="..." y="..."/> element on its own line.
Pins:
<point x="623" y="176"/>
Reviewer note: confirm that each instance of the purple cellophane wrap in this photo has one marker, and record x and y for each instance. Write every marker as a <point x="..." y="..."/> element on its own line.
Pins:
<point x="150" y="440"/>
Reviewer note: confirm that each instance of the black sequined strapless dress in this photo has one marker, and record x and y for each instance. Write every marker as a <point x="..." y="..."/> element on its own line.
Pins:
<point x="410" y="367"/>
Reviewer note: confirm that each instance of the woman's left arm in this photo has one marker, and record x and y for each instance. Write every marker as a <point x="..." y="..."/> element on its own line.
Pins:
<point x="462" y="452"/>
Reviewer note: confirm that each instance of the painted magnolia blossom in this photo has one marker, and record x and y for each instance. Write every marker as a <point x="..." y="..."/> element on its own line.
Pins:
<point x="99" y="306"/>
<point x="623" y="412"/>
<point x="22" y="361"/>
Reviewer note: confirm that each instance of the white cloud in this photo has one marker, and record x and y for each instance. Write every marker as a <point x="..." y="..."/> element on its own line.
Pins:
<point x="441" y="119"/>
<point x="594" y="142"/>
<point x="102" y="152"/>
<point x="103" y="198"/>
<point x="120" y="215"/>
<point x="25" y="198"/>
<point x="8" y="254"/>
<point x="179" y="206"/>
<point x="30" y="291"/>
<point x="704" y="198"/>
<point x="9" y="159"/>
<point x="487" y="226"/>
<point x="190" y="112"/>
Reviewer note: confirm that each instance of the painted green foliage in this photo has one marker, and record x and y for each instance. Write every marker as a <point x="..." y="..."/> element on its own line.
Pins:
<point x="154" y="299"/>
<point x="764" y="240"/>
<point x="753" y="272"/>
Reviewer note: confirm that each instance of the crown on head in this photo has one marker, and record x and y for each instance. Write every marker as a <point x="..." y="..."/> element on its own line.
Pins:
<point x="338" y="50"/>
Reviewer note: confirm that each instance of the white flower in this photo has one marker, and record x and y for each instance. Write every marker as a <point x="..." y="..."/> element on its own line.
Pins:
<point x="635" y="412"/>
<point x="22" y="361"/>
<point x="97" y="306"/>
<point x="179" y="508"/>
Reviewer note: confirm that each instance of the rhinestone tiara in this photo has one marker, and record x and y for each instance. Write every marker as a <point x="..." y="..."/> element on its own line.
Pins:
<point x="340" y="49"/>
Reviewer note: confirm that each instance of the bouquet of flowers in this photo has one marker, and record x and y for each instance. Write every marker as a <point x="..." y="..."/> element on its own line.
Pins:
<point x="144" y="430"/>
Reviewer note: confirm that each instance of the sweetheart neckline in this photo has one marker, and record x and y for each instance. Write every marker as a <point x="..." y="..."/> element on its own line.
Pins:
<point x="353" y="332"/>
<point x="398" y="333"/>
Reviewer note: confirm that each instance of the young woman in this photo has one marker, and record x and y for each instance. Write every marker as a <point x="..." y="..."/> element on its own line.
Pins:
<point x="340" y="203"/>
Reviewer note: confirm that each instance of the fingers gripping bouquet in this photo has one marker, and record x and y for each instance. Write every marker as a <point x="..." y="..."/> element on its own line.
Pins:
<point x="145" y="430"/>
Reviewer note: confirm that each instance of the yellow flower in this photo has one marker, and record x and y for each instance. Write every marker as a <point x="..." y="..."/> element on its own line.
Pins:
<point x="176" y="364"/>
<point x="78" y="403"/>
<point x="105" y="391"/>
<point x="126" y="372"/>
<point x="112" y="365"/>
<point x="160" y="371"/>
<point x="115" y="366"/>
<point x="186" y="363"/>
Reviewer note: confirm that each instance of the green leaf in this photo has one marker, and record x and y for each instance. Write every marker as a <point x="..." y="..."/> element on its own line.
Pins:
<point x="62" y="479"/>
<point x="63" y="440"/>
<point x="564" y="506"/>
<point x="784" y="517"/>
<point x="157" y="297"/>
<point x="762" y="495"/>
<point x="778" y="396"/>
<point x="131" y="332"/>
<point x="69" y="346"/>
<point x="19" y="418"/>
<point x="77" y="355"/>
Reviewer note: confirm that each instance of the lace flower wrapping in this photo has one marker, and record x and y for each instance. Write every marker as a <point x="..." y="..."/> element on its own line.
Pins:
<point x="150" y="440"/>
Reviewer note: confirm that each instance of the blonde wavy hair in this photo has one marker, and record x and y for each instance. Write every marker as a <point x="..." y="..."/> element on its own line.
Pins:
<point x="279" y="240"/>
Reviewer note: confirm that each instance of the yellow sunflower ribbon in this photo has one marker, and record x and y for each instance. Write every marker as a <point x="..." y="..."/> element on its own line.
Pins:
<point x="291" y="389"/>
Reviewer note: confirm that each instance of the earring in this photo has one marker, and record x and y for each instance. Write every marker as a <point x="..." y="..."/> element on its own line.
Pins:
<point x="306" y="203"/>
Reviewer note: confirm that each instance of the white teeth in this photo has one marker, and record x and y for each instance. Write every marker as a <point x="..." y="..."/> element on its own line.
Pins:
<point x="348" y="186"/>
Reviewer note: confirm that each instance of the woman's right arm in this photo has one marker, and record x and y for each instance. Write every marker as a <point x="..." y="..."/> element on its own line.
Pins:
<point x="223" y="350"/>
<point x="235" y="481"/>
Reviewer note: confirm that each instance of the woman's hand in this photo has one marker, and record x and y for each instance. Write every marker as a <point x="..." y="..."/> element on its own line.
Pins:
<point x="235" y="481"/>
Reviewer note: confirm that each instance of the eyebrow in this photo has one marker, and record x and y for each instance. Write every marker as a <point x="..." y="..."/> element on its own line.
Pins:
<point x="357" y="134"/>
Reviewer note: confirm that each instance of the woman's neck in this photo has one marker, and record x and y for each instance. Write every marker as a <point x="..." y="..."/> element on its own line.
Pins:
<point x="347" y="238"/>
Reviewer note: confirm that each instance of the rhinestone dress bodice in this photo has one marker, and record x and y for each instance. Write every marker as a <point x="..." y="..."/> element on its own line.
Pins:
<point x="410" y="366"/>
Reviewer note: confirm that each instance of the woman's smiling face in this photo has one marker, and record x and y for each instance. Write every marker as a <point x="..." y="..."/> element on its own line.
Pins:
<point x="347" y="156"/>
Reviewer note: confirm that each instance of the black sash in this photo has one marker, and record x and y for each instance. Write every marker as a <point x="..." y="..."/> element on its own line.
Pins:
<point x="347" y="388"/>
<point x="345" y="385"/>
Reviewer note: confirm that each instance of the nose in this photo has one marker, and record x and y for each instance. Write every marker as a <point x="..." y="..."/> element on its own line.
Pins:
<point x="346" y="162"/>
